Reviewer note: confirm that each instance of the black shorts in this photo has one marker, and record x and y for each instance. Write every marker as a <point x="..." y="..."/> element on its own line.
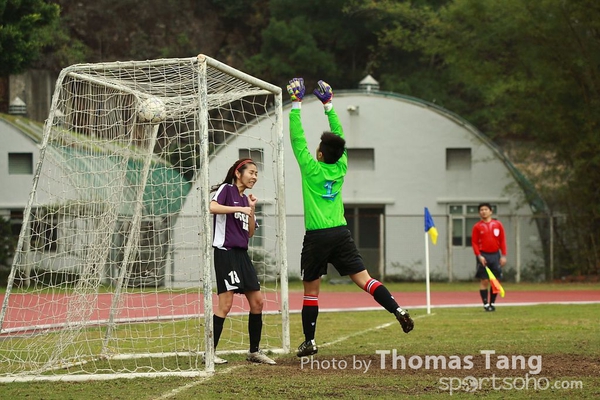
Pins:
<point x="493" y="263"/>
<point x="331" y="245"/>
<point x="234" y="271"/>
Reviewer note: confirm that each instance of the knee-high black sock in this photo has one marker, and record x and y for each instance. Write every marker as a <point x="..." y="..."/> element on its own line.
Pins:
<point x="484" y="296"/>
<point x="493" y="297"/>
<point x="310" y="312"/>
<point x="218" y="328"/>
<point x="381" y="295"/>
<point x="255" y="324"/>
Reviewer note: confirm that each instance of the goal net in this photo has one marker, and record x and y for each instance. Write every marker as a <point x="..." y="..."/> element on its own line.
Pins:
<point x="113" y="273"/>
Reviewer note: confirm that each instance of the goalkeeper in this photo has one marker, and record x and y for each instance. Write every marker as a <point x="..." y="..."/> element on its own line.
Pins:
<point x="327" y="238"/>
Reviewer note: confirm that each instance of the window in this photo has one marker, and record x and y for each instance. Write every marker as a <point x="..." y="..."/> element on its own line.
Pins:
<point x="457" y="231"/>
<point x="461" y="230"/>
<point x="20" y="163"/>
<point x="458" y="159"/>
<point x="455" y="209"/>
<point x="257" y="155"/>
<point x="361" y="159"/>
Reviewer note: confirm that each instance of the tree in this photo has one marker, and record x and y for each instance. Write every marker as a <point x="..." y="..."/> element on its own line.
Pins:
<point x="122" y="30"/>
<point x="22" y="28"/>
<point x="398" y="59"/>
<point x="536" y="67"/>
<point x="331" y="44"/>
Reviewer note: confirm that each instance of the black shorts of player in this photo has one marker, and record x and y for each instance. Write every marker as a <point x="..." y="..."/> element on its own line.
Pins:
<point x="331" y="245"/>
<point x="234" y="271"/>
<point x="493" y="262"/>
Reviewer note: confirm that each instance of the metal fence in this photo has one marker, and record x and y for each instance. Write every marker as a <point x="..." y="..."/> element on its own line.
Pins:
<point x="393" y="247"/>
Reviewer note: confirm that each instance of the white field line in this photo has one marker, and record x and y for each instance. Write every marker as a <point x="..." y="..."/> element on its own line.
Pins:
<point x="476" y="305"/>
<point x="176" y="391"/>
<point x="369" y="330"/>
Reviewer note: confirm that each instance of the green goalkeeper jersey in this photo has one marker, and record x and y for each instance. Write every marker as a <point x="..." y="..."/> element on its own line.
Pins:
<point x="321" y="183"/>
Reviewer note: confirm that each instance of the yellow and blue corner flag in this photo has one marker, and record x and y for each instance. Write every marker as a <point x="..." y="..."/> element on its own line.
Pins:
<point x="430" y="226"/>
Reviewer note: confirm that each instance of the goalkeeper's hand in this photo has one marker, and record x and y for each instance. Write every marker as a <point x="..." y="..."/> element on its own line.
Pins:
<point x="296" y="89"/>
<point x="324" y="92"/>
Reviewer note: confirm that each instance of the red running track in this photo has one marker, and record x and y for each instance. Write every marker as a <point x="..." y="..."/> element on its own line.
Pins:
<point x="47" y="311"/>
<point x="361" y="300"/>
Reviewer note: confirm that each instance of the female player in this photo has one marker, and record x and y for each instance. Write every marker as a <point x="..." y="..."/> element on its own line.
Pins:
<point x="234" y="224"/>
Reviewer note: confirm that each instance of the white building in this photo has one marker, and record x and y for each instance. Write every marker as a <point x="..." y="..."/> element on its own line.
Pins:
<point x="404" y="155"/>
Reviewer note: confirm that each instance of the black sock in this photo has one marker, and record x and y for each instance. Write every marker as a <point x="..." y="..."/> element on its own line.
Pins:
<point x="381" y="295"/>
<point x="254" y="331"/>
<point x="484" y="295"/>
<point x="310" y="312"/>
<point x="218" y="328"/>
<point x="493" y="297"/>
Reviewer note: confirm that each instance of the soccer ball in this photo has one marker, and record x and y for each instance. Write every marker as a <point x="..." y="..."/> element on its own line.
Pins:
<point x="152" y="110"/>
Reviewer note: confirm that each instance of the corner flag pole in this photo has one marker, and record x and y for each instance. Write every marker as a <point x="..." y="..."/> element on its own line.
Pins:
<point x="427" y="274"/>
<point x="430" y="230"/>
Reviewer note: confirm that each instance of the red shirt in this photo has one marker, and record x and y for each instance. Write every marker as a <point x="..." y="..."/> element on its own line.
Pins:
<point x="488" y="237"/>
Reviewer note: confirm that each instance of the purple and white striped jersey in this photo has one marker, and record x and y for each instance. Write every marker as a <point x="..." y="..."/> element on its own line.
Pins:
<point x="230" y="230"/>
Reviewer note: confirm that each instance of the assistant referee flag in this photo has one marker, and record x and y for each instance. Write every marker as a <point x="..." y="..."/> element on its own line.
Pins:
<point x="496" y="286"/>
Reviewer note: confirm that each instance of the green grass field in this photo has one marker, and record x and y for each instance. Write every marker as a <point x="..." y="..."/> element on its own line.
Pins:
<point x="555" y="348"/>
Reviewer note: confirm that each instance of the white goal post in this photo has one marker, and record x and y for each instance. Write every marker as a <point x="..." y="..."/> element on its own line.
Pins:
<point x="113" y="273"/>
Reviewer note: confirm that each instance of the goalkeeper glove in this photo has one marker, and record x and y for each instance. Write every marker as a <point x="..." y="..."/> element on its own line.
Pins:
<point x="296" y="89"/>
<point x="325" y="94"/>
